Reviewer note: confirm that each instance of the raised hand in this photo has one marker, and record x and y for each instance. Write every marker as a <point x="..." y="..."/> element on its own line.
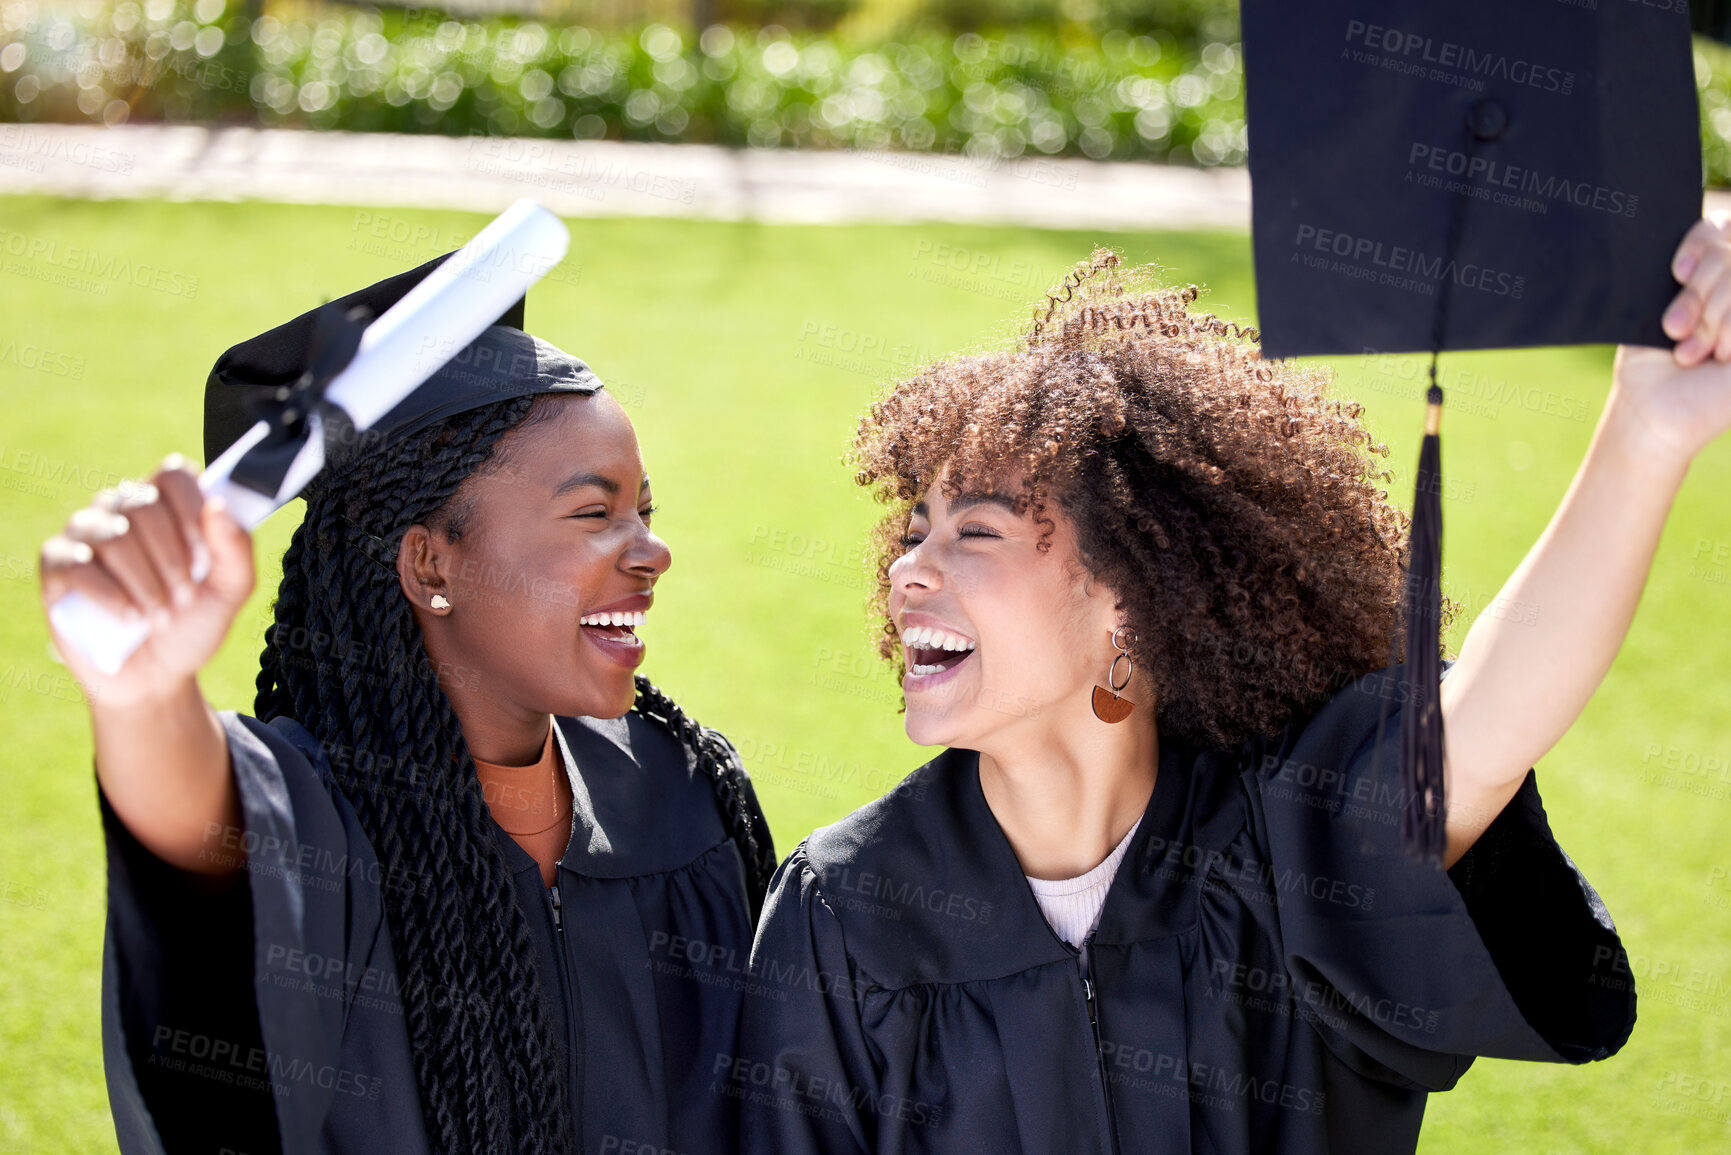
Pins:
<point x="161" y="752"/>
<point x="1675" y="403"/>
<point x="139" y="550"/>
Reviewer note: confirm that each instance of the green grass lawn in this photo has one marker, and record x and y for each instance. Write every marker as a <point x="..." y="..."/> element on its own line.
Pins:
<point x="745" y="354"/>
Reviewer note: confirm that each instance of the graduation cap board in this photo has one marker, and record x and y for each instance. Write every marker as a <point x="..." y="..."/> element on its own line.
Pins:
<point x="248" y="375"/>
<point x="327" y="378"/>
<point x="1464" y="175"/>
<point x="249" y="379"/>
<point x="1711" y="18"/>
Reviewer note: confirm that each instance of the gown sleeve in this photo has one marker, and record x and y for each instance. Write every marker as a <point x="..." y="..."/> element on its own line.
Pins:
<point x="244" y="1015"/>
<point x="178" y="957"/>
<point x="803" y="1068"/>
<point x="1407" y="970"/>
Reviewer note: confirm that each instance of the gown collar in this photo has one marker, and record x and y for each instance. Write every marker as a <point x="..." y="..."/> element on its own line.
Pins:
<point x="1145" y="899"/>
<point x="928" y="890"/>
<point x="581" y="813"/>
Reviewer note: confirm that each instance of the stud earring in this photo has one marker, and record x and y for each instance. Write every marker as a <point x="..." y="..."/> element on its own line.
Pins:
<point x="1109" y="707"/>
<point x="440" y="602"/>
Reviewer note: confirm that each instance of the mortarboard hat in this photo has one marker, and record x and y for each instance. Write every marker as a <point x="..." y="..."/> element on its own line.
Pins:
<point x="1475" y="174"/>
<point x="1711" y="18"/>
<point x="503" y="362"/>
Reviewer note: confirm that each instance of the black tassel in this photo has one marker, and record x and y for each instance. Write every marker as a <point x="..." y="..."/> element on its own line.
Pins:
<point x="1423" y="833"/>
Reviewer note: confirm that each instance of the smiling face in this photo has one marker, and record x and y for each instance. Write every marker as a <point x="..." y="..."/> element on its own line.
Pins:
<point x="1001" y="639"/>
<point x="548" y="562"/>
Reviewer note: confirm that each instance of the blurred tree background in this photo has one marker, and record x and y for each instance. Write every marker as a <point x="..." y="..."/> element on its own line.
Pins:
<point x="1002" y="78"/>
<point x="1156" y="80"/>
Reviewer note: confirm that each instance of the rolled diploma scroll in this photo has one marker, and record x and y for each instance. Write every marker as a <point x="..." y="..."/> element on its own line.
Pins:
<point x="434" y="322"/>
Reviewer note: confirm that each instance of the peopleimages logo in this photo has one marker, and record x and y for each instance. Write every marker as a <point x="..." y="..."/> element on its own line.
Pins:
<point x="1415" y="269"/>
<point x="1480" y="171"/>
<point x="88" y="270"/>
<point x="1417" y="48"/>
<point x="41" y="145"/>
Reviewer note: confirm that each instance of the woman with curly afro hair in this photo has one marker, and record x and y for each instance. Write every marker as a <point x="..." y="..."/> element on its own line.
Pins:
<point x="1142" y="587"/>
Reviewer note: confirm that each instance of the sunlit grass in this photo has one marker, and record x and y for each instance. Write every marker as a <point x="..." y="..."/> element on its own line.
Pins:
<point x="745" y="353"/>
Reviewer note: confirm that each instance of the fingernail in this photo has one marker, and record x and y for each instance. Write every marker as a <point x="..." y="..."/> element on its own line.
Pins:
<point x="1685" y="266"/>
<point x="200" y="560"/>
<point x="1690" y="347"/>
<point x="1675" y="317"/>
<point x="176" y="461"/>
<point x="182" y="594"/>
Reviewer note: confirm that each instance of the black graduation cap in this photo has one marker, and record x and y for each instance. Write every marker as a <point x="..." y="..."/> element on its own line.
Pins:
<point x="1463" y="175"/>
<point x="503" y="362"/>
<point x="1711" y="18"/>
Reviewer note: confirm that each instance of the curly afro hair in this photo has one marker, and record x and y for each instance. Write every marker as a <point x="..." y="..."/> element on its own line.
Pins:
<point x="1229" y="503"/>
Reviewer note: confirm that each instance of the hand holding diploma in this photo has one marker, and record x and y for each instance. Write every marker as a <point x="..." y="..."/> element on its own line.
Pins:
<point x="356" y="379"/>
<point x="161" y="558"/>
<point x="143" y="585"/>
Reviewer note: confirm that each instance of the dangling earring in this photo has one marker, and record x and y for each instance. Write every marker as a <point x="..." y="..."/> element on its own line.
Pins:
<point x="440" y="602"/>
<point x="1108" y="706"/>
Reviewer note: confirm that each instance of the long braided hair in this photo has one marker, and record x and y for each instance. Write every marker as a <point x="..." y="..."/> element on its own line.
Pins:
<point x="344" y="656"/>
<point x="719" y="761"/>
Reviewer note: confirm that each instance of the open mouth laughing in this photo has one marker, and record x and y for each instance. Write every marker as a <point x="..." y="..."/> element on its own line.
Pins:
<point x="933" y="654"/>
<point x="613" y="629"/>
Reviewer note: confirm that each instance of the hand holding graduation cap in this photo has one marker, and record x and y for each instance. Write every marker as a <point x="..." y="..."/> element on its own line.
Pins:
<point x="1677" y="402"/>
<point x="1480" y="175"/>
<point x="1520" y="683"/>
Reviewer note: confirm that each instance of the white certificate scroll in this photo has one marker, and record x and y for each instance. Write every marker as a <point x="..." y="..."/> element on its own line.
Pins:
<point x="415" y="337"/>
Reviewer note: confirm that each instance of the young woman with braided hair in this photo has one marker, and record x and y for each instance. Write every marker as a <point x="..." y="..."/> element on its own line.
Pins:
<point x="443" y="894"/>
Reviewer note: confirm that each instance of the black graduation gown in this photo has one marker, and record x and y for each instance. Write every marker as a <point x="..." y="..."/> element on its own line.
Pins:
<point x="279" y="990"/>
<point x="1269" y="973"/>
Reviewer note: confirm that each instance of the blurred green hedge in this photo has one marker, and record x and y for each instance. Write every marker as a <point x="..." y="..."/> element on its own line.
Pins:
<point x="1048" y="87"/>
<point x="1713" y="79"/>
<point x="1029" y="91"/>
